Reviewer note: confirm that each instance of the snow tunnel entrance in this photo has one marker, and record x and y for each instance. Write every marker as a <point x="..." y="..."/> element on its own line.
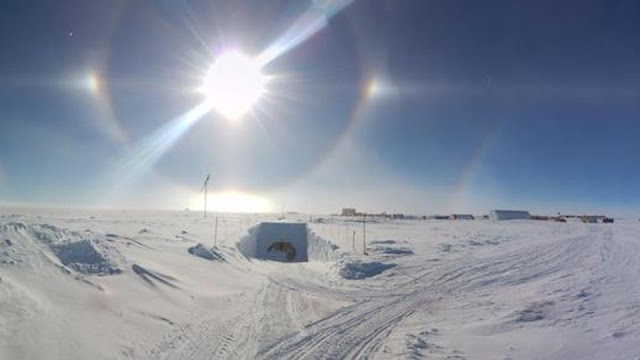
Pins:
<point x="286" y="242"/>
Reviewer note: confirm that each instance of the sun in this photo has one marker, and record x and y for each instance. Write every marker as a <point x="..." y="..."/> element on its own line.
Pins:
<point x="233" y="84"/>
<point x="232" y="202"/>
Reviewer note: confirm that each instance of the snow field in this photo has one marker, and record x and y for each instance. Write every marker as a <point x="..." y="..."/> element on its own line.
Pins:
<point x="426" y="289"/>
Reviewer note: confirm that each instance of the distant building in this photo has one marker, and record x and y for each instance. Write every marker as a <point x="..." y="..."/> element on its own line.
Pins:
<point x="592" y="219"/>
<point x="397" y="216"/>
<point x="509" y="215"/>
<point x="348" y="212"/>
<point x="462" y="217"/>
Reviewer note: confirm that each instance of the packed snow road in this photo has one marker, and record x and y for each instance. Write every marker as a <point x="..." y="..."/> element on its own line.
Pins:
<point x="134" y="286"/>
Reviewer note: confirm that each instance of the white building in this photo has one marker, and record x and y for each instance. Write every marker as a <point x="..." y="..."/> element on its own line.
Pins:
<point x="509" y="215"/>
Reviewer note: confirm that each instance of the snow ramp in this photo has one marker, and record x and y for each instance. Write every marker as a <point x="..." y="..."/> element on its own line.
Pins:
<point x="285" y="242"/>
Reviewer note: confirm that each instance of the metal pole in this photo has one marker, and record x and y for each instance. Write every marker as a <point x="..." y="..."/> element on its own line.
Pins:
<point x="204" y="188"/>
<point x="346" y="233"/>
<point x="205" y="199"/>
<point x="215" y="233"/>
<point x="364" y="234"/>
<point x="353" y="241"/>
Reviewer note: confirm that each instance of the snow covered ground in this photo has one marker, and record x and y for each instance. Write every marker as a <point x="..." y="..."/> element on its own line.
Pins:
<point x="136" y="285"/>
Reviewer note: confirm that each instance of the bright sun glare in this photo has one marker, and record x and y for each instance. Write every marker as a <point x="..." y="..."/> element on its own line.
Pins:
<point x="233" y="84"/>
<point x="232" y="201"/>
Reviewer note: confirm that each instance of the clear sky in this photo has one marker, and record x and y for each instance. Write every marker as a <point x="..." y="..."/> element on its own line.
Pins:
<point x="399" y="106"/>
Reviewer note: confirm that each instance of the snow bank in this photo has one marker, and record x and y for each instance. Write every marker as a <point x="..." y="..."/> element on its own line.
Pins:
<point x="248" y="245"/>
<point x="85" y="252"/>
<point x="383" y="242"/>
<point x="356" y="270"/>
<point x="83" y="257"/>
<point x="205" y="253"/>
<point x="321" y="249"/>
<point x="43" y="233"/>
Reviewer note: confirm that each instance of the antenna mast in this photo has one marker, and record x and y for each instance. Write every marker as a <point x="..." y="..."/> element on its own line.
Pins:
<point x="204" y="189"/>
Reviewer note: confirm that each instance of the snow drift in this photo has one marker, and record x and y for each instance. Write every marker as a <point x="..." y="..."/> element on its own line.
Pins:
<point x="83" y="257"/>
<point x="84" y="252"/>
<point x="357" y="270"/>
<point x="205" y="253"/>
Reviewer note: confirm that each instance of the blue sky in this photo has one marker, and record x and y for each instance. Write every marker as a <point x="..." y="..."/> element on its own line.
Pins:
<point x="530" y="104"/>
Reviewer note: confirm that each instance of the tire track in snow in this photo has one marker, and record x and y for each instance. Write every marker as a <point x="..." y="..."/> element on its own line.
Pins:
<point x="355" y="331"/>
<point x="233" y="338"/>
<point x="276" y="312"/>
<point x="275" y="329"/>
<point x="358" y="331"/>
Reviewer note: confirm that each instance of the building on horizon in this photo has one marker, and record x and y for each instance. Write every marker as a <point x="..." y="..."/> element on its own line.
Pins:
<point x="509" y="215"/>
<point x="462" y="217"/>
<point x="348" y="212"/>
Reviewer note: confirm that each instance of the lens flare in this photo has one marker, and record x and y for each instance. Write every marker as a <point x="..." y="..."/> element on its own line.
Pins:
<point x="92" y="82"/>
<point x="146" y="153"/>
<point x="314" y="19"/>
<point x="232" y="86"/>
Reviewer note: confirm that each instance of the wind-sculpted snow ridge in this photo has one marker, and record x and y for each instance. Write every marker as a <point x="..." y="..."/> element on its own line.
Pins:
<point x="357" y="270"/>
<point x="151" y="276"/>
<point x="205" y="252"/>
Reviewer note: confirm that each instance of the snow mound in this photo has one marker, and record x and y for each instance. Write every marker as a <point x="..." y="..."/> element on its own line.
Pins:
<point x="6" y="252"/>
<point x="85" y="252"/>
<point x="357" y="270"/>
<point x="205" y="253"/>
<point x="383" y="242"/>
<point x="534" y="312"/>
<point x="445" y="247"/>
<point x="83" y="257"/>
<point x="43" y="233"/>
<point x="388" y="250"/>
<point x="51" y="234"/>
<point x="483" y="243"/>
